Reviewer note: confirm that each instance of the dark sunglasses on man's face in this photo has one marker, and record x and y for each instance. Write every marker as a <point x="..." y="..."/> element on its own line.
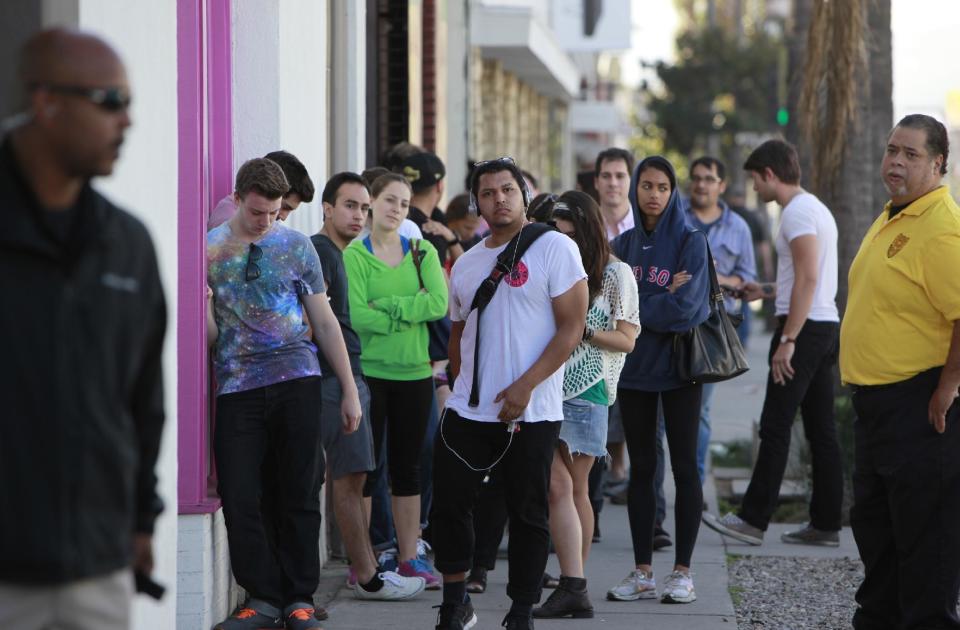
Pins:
<point x="111" y="99"/>
<point x="253" y="269"/>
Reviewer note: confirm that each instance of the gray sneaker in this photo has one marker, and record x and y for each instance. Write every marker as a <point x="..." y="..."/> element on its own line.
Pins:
<point x="735" y="527"/>
<point x="809" y="535"/>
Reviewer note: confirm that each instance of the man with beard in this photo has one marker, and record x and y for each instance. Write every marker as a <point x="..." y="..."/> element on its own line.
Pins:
<point x="511" y="378"/>
<point x="900" y="354"/>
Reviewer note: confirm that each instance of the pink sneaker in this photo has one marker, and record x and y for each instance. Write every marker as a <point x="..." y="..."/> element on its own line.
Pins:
<point x="418" y="568"/>
<point x="352" y="579"/>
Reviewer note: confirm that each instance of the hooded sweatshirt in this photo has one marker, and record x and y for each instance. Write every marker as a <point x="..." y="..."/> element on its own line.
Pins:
<point x="655" y="257"/>
<point x="389" y="311"/>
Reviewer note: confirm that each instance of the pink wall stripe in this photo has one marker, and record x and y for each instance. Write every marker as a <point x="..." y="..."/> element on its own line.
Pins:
<point x="205" y="154"/>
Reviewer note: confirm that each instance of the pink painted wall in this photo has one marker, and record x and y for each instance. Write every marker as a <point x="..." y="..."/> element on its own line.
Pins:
<point x="205" y="174"/>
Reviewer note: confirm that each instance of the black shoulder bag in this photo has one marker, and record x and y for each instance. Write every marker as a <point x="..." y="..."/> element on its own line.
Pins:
<point x="710" y="352"/>
<point x="512" y="253"/>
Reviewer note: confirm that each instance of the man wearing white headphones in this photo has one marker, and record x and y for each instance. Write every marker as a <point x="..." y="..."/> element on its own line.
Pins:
<point x="506" y="406"/>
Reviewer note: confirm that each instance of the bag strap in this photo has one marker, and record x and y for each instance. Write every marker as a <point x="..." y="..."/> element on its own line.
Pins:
<point x="417" y="260"/>
<point x="512" y="253"/>
<point x="716" y="295"/>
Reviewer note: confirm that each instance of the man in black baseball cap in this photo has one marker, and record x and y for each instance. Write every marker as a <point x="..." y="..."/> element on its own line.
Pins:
<point x="425" y="172"/>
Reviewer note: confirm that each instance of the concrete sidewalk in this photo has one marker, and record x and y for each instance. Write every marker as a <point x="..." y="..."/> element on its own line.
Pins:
<point x="736" y="406"/>
<point x="609" y="562"/>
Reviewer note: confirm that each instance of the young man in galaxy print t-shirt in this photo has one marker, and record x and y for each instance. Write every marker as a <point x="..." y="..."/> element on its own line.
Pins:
<point x="267" y="295"/>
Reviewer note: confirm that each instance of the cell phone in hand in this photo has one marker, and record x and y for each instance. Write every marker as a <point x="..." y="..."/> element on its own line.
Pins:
<point x="143" y="583"/>
<point x="732" y="291"/>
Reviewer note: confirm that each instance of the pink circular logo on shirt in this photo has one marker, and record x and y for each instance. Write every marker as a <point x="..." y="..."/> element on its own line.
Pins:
<point x="518" y="276"/>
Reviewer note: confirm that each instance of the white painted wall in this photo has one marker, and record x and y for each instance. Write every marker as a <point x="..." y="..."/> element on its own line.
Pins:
<point x="304" y="78"/>
<point x="145" y="183"/>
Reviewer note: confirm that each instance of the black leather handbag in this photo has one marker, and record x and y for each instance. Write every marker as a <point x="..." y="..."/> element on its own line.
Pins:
<point x="710" y="352"/>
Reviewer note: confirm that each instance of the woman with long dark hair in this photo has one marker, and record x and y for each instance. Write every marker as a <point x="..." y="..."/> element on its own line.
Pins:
<point x="589" y="387"/>
<point x="670" y="263"/>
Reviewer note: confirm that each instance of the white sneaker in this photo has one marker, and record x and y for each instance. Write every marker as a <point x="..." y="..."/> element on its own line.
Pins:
<point x="422" y="548"/>
<point x="637" y="585"/>
<point x="395" y="587"/>
<point x="678" y="589"/>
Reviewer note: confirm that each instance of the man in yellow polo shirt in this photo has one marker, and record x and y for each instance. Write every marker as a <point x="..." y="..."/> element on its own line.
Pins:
<point x="900" y="353"/>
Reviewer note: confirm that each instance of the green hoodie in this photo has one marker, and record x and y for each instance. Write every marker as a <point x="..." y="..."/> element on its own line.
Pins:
<point x="389" y="311"/>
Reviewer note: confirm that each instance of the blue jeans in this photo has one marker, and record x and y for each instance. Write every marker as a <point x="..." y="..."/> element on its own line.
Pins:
<point x="703" y="440"/>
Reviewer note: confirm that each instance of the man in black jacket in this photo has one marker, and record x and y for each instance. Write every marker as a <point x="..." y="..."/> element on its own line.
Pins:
<point x="83" y="324"/>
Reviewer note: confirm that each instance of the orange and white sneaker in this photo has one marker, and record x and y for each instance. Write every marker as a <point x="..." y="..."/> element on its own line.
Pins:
<point x="255" y="615"/>
<point x="301" y="616"/>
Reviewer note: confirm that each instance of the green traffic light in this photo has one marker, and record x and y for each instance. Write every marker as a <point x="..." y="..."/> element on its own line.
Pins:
<point x="783" y="116"/>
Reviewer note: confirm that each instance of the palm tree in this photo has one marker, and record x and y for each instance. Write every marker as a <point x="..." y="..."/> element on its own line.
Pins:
<point x="841" y="62"/>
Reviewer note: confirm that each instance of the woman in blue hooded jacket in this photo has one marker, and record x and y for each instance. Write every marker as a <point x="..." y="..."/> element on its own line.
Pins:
<point x="669" y="260"/>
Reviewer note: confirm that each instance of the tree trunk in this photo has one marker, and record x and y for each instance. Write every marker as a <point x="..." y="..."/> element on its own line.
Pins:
<point x="858" y="194"/>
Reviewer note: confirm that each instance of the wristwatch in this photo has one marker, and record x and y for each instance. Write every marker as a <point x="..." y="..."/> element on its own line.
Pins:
<point x="784" y="339"/>
<point x="455" y="241"/>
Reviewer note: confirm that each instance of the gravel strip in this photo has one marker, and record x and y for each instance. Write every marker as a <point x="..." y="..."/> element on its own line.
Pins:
<point x="794" y="593"/>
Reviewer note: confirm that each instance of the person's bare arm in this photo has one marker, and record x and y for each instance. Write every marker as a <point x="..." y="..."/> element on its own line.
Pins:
<point x="621" y="339"/>
<point x="453" y="347"/>
<point x="946" y="391"/>
<point x="570" y="314"/>
<point x="212" y="331"/>
<point x="806" y="273"/>
<point x="329" y="338"/>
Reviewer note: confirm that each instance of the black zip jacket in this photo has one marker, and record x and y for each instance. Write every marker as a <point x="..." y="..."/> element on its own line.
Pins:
<point x="81" y="398"/>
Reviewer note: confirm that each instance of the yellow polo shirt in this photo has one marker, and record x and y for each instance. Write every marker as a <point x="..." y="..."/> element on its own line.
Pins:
<point x="904" y="293"/>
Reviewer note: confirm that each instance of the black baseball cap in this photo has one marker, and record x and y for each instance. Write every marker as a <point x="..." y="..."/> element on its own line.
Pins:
<point x="422" y="170"/>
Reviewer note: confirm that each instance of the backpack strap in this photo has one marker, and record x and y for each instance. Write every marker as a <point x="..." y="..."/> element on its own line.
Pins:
<point x="417" y="254"/>
<point x="513" y="252"/>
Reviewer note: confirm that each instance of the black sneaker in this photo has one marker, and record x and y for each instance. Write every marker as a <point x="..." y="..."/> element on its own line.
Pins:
<point x="517" y="622"/>
<point x="661" y="539"/>
<point x="255" y="615"/>
<point x="456" y="616"/>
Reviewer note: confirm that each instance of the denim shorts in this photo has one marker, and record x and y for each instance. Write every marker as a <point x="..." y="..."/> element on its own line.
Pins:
<point x="584" y="428"/>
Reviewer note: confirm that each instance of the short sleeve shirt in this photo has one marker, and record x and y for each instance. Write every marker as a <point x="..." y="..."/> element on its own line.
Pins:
<point x="904" y="293"/>
<point x="517" y="325"/>
<point x="804" y="215"/>
<point x="335" y="278"/>
<point x="263" y="336"/>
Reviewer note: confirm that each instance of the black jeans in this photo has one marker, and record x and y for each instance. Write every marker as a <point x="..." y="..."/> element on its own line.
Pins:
<point x="526" y="475"/>
<point x="906" y="512"/>
<point x="489" y="519"/>
<point x="681" y="413"/>
<point x="811" y="391"/>
<point x="283" y="420"/>
<point x="399" y="413"/>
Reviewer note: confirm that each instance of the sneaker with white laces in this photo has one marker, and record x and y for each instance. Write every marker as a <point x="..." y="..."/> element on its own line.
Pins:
<point x="395" y="587"/>
<point x="735" y="527"/>
<point x="809" y="535"/>
<point x="637" y="585"/>
<point x="387" y="559"/>
<point x="678" y="589"/>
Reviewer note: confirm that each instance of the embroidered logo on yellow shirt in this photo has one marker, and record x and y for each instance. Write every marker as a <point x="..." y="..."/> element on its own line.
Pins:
<point x="897" y="244"/>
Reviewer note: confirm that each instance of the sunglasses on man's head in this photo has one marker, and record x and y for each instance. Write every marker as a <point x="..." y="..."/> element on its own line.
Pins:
<point x="111" y="99"/>
<point x="500" y="160"/>
<point x="253" y="269"/>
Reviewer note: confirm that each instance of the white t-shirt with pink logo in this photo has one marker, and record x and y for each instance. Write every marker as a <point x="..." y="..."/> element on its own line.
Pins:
<point x="517" y="325"/>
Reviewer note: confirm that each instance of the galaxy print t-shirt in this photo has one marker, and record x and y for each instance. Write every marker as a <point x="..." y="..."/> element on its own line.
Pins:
<point x="262" y="335"/>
